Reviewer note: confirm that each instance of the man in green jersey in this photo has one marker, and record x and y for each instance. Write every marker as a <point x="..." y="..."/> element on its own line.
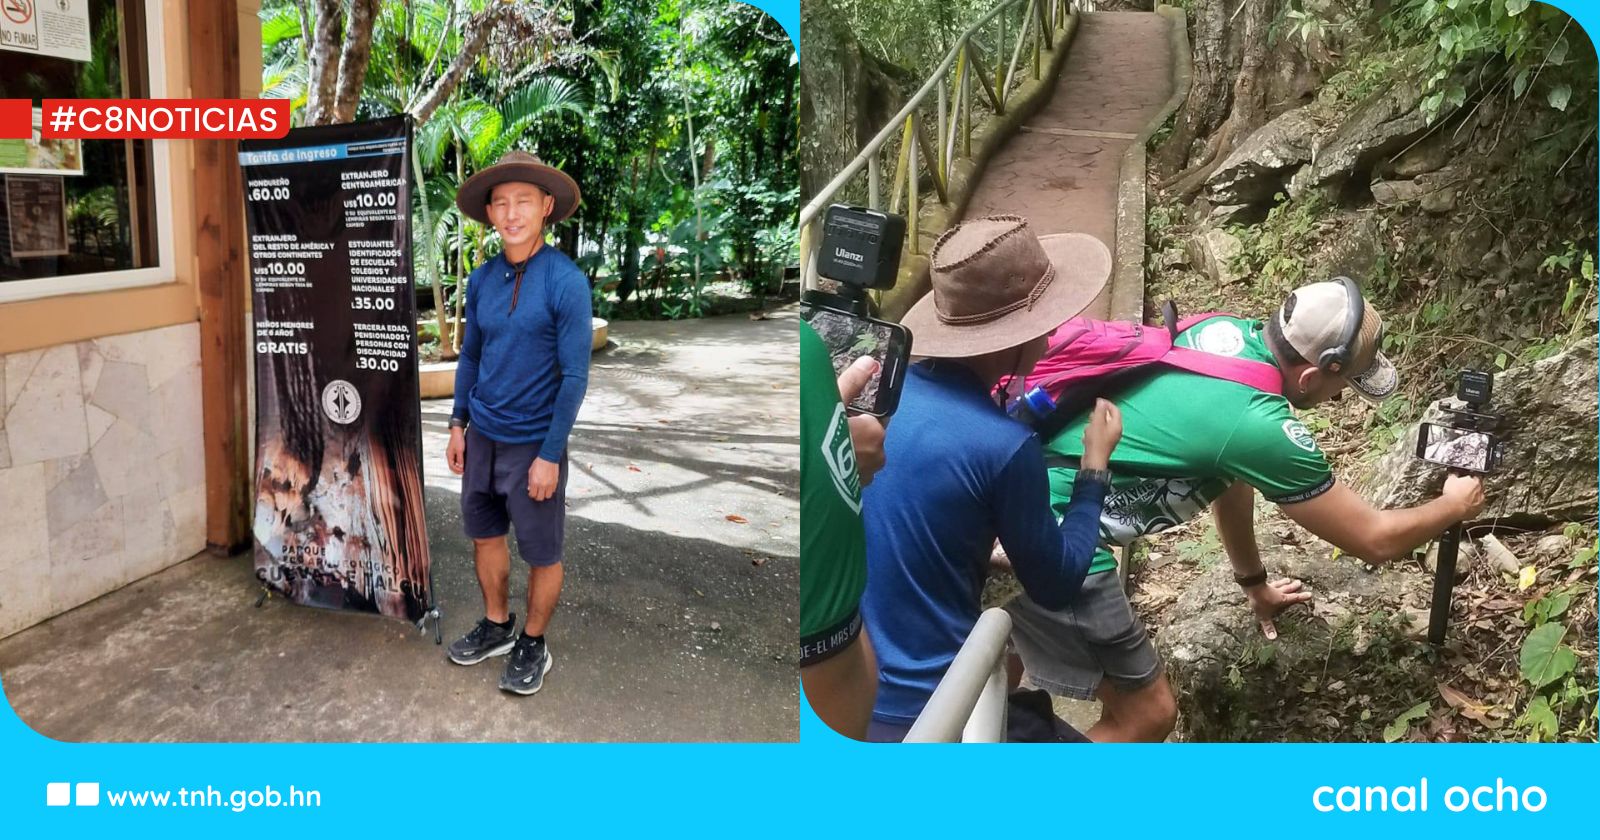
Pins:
<point x="838" y="454"/>
<point x="1190" y="442"/>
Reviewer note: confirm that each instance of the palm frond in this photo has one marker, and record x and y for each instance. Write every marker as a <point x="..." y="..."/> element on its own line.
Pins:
<point x="542" y="96"/>
<point x="278" y="25"/>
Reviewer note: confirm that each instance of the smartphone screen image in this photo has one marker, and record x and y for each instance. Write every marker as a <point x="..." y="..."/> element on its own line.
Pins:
<point x="849" y="337"/>
<point x="1458" y="449"/>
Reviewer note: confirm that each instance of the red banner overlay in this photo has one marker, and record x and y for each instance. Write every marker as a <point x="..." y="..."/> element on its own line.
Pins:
<point x="165" y="119"/>
<point x="16" y="119"/>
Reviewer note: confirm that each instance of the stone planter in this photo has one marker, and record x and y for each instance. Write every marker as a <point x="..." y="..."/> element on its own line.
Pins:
<point x="437" y="380"/>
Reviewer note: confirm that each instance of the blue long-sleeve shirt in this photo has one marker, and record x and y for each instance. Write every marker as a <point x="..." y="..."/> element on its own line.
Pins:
<point x="959" y="475"/>
<point x="522" y="372"/>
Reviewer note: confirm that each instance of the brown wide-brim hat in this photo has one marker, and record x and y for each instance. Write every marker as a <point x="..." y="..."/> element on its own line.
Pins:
<point x="473" y="197"/>
<point x="996" y="286"/>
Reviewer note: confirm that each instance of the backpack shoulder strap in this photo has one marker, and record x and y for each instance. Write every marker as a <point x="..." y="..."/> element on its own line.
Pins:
<point x="1258" y="375"/>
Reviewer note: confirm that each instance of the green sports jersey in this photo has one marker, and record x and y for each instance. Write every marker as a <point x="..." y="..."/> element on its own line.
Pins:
<point x="833" y="541"/>
<point x="1186" y="437"/>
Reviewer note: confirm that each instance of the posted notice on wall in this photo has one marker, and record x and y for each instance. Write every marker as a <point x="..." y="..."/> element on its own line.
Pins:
<point x="38" y="156"/>
<point x="339" y="517"/>
<point x="36" y="213"/>
<point x="58" y="28"/>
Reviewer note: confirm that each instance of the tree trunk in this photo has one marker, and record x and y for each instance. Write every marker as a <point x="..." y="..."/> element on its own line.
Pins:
<point x="353" y="59"/>
<point x="633" y="230"/>
<point x="326" y="32"/>
<point x="846" y="95"/>
<point x="461" y="257"/>
<point x="1228" y="96"/>
<point x="431" y="265"/>
<point x="694" y="172"/>
<point x="474" y="39"/>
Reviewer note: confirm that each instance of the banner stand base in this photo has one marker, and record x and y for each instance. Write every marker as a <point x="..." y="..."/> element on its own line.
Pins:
<point x="438" y="626"/>
<point x="265" y="594"/>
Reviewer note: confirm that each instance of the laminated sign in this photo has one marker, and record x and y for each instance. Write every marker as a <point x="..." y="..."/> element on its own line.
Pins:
<point x="339" y="519"/>
<point x="58" y="28"/>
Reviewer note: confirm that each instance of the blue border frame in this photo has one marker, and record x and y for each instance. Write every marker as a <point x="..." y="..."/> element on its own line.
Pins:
<point x="824" y="786"/>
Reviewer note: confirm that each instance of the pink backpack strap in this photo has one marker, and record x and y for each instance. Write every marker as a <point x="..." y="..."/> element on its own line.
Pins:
<point x="1258" y="375"/>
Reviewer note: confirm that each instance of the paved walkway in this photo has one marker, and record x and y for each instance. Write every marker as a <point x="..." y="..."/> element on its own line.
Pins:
<point x="675" y="623"/>
<point x="1060" y="172"/>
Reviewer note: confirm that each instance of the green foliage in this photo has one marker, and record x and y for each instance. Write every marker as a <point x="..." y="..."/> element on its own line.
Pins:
<point x="1544" y="658"/>
<point x="677" y="118"/>
<point x="1533" y="40"/>
<point x="1549" y="607"/>
<point x="1203" y="550"/>
<point x="1275" y="250"/>
<point x="1366" y="75"/>
<point x="1398" y="728"/>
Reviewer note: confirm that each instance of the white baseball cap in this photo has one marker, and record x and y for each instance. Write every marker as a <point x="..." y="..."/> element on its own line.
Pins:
<point x="1315" y="321"/>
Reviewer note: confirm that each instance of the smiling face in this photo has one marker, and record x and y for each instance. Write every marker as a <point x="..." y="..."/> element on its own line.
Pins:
<point x="518" y="211"/>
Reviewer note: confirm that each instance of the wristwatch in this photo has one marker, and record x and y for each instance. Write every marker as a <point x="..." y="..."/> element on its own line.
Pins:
<point x="1102" y="476"/>
<point x="458" y="422"/>
<point x="1248" y="581"/>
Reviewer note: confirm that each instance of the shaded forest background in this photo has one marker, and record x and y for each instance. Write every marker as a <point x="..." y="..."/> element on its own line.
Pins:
<point x="1441" y="152"/>
<point x="677" y="118"/>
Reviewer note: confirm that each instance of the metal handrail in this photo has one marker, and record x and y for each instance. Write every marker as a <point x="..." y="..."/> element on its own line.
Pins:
<point x="951" y="85"/>
<point x="969" y="704"/>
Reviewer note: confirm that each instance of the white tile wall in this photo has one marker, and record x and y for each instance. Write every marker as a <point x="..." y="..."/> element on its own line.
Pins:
<point x="102" y="469"/>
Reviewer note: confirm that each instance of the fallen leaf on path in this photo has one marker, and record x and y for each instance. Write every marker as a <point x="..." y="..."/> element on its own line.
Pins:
<point x="734" y="517"/>
<point x="1461" y="702"/>
<point x="1527" y="577"/>
<point x="758" y="561"/>
<point x="632" y="468"/>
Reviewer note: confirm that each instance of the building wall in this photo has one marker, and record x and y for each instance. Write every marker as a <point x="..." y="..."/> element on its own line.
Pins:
<point x="102" y="457"/>
<point x="102" y="476"/>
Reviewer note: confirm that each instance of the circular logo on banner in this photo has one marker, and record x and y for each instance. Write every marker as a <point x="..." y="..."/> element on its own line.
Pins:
<point x="1220" y="338"/>
<point x="1299" y="435"/>
<point x="341" y="402"/>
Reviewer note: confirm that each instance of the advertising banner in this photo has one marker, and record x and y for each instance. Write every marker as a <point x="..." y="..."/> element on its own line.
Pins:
<point x="338" y="513"/>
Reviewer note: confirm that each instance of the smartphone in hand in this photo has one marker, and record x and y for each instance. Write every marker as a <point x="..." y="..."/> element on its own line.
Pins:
<point x="850" y="336"/>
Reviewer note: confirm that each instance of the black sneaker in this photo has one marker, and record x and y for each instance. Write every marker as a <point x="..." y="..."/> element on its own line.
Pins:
<point x="525" y="671"/>
<point x="483" y="641"/>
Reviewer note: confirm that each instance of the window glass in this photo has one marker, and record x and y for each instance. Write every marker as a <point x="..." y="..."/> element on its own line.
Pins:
<point x="76" y="207"/>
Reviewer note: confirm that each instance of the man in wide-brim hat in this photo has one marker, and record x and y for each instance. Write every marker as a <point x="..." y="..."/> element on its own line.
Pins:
<point x="959" y="473"/>
<point x="523" y="369"/>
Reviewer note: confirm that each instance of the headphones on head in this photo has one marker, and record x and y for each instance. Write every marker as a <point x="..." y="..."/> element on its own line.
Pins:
<point x="1335" y="359"/>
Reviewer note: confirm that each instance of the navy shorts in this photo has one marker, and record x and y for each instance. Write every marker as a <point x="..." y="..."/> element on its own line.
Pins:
<point x="494" y="496"/>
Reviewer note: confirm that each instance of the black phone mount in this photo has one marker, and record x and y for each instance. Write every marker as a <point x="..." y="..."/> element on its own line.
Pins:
<point x="1474" y="390"/>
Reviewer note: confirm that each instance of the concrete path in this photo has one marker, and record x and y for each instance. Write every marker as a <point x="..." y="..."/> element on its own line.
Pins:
<point x="676" y="624"/>
<point x="1061" y="171"/>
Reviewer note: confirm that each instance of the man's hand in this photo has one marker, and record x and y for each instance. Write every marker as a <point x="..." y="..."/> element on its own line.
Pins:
<point x="1467" y="492"/>
<point x="1269" y="599"/>
<point x="1105" y="429"/>
<point x="542" y="478"/>
<point x="866" y="431"/>
<point x="455" y="452"/>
